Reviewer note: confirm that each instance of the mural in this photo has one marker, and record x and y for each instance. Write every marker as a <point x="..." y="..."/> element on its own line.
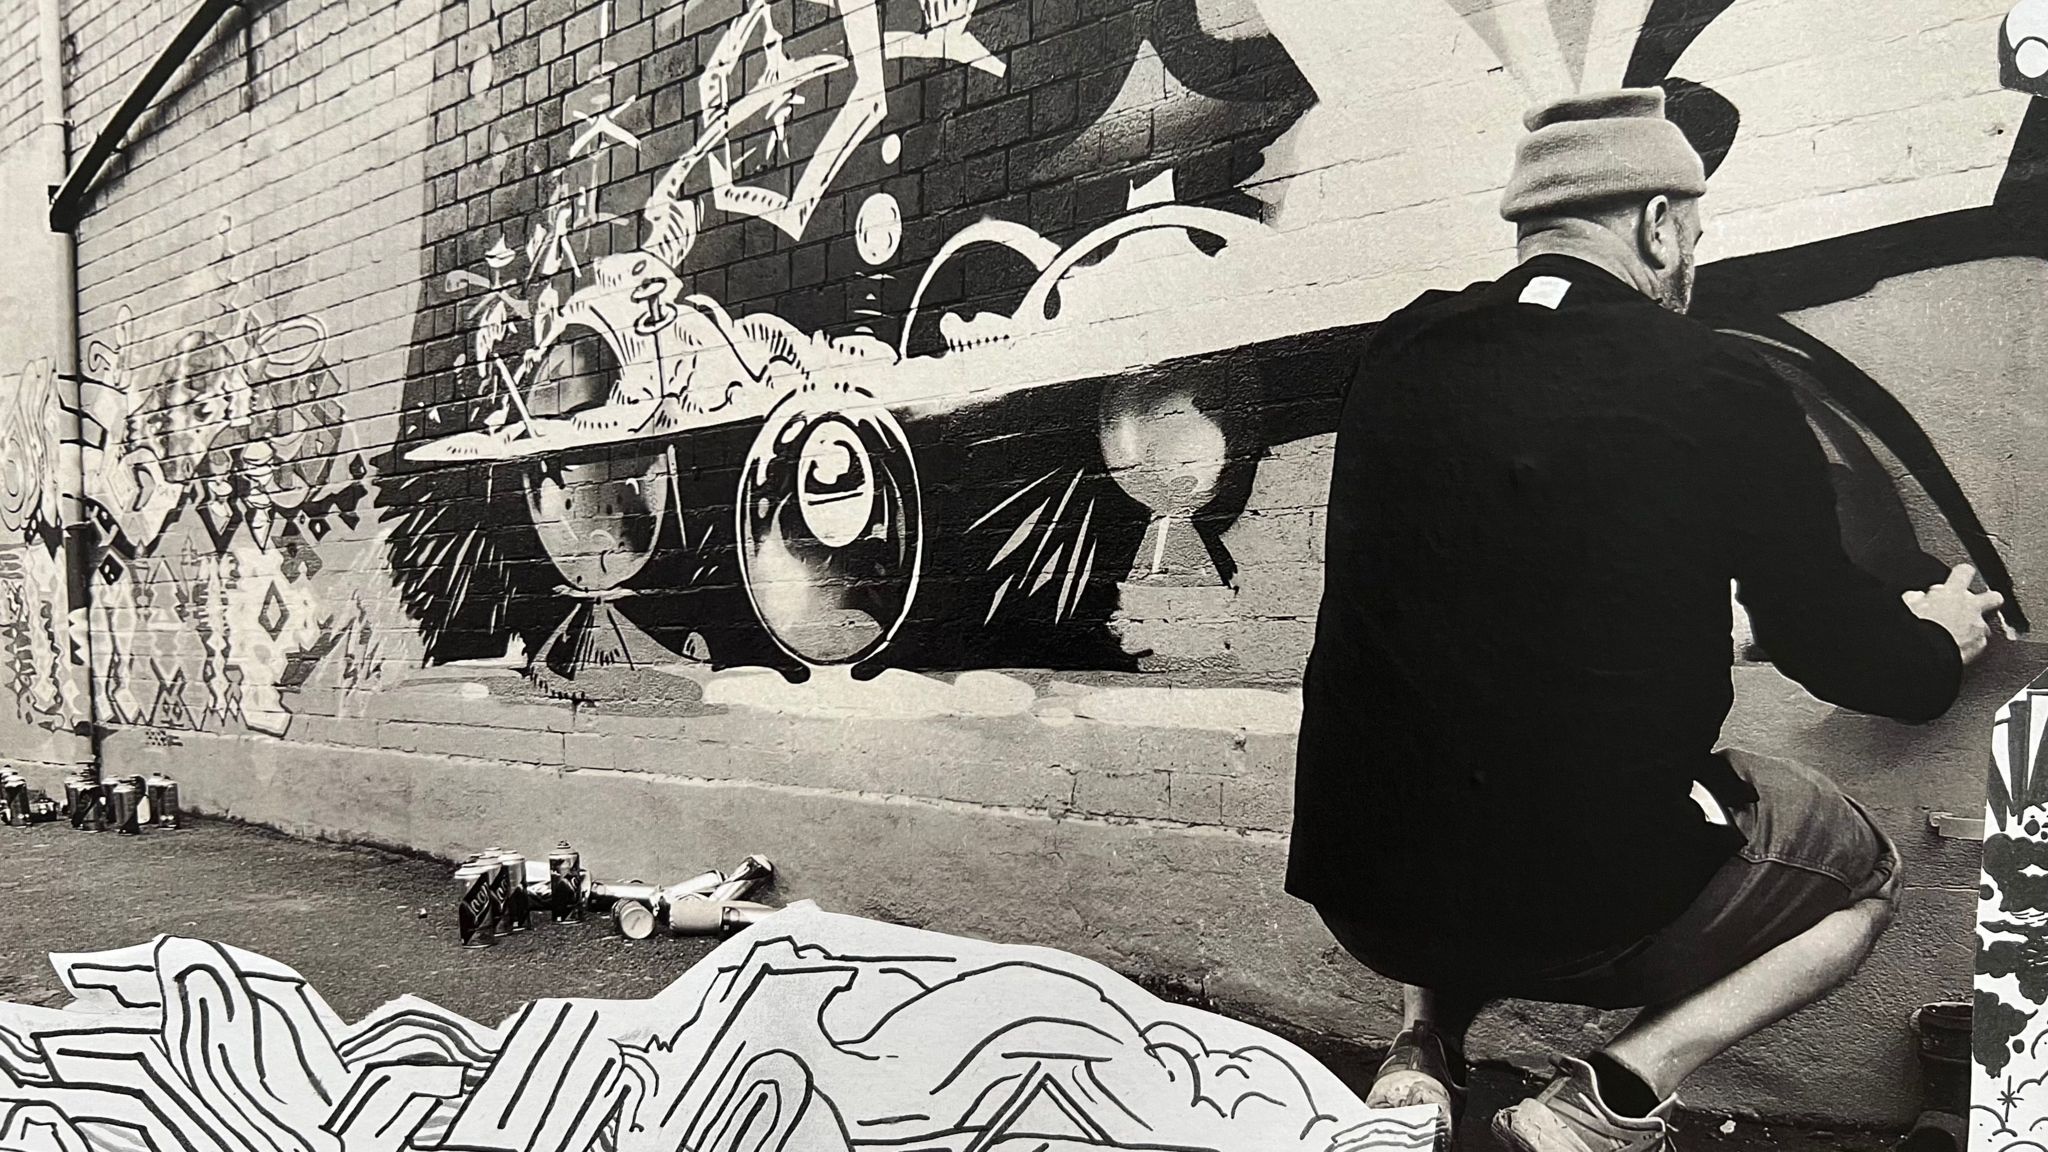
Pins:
<point x="43" y="659"/>
<point x="213" y="473"/>
<point x="950" y="335"/>
<point x="682" y="444"/>
<point x="2009" y="1104"/>
<point x="806" y="1031"/>
<point x="840" y="349"/>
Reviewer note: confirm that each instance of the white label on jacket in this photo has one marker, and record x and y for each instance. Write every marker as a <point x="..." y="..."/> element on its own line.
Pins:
<point x="1546" y="290"/>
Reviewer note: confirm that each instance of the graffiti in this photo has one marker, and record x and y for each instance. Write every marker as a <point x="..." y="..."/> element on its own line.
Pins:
<point x="639" y="371"/>
<point x="809" y="1030"/>
<point x="2009" y="1023"/>
<point x="38" y="623"/>
<point x="213" y="476"/>
<point x="960" y="444"/>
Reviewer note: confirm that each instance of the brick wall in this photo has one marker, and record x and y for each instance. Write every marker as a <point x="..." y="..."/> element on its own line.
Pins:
<point x="916" y="417"/>
<point x="19" y="104"/>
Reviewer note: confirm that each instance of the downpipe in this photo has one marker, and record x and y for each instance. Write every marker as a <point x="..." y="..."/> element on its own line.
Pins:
<point x="53" y="148"/>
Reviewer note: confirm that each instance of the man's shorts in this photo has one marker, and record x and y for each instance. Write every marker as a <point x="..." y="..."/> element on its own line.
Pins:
<point x="1812" y="851"/>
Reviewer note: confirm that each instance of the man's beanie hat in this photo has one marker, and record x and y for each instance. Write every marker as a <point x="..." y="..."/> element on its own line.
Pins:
<point x="1600" y="146"/>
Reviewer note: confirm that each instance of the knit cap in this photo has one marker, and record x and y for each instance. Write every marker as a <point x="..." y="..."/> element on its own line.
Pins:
<point x="1600" y="146"/>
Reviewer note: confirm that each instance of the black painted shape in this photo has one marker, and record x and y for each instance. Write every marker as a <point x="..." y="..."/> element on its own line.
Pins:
<point x="1668" y="30"/>
<point x="1707" y="118"/>
<point x="1845" y="267"/>
<point x="1877" y="531"/>
<point x="1994" y="1026"/>
<point x="2021" y="205"/>
<point x="1855" y="394"/>
<point x="2009" y="74"/>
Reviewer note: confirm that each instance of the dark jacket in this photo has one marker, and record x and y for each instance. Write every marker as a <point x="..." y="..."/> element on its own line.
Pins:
<point x="1521" y="663"/>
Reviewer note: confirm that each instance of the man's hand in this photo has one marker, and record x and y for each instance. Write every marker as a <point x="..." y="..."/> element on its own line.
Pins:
<point x="1952" y="605"/>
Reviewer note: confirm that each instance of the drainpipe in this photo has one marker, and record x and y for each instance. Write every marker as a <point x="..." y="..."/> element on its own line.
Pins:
<point x="53" y="146"/>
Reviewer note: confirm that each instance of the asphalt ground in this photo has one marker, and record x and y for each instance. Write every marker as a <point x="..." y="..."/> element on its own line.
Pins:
<point x="366" y="926"/>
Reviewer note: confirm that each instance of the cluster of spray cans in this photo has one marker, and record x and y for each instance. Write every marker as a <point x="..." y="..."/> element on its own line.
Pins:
<point x="503" y="891"/>
<point x="125" y="804"/>
<point x="21" y="805"/>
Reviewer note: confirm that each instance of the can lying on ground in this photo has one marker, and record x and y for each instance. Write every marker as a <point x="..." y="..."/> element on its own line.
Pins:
<point x="500" y="888"/>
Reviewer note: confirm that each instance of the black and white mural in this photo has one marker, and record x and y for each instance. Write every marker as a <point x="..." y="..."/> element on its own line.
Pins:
<point x="864" y="335"/>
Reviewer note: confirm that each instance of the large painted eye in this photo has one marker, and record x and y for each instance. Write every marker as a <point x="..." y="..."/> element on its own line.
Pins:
<point x="597" y="512"/>
<point x="835" y="484"/>
<point x="829" y="526"/>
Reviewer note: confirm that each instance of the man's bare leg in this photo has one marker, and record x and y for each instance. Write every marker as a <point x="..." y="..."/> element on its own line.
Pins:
<point x="1427" y="1062"/>
<point x="1664" y="1044"/>
<point x="1449" y="1016"/>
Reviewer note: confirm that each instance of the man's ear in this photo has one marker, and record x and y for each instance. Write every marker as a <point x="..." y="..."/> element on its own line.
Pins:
<point x="1657" y="233"/>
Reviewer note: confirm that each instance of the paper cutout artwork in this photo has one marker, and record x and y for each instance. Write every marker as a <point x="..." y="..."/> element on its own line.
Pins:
<point x="808" y="1032"/>
<point x="2009" y="1080"/>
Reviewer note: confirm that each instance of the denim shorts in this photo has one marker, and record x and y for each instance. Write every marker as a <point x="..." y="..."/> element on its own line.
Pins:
<point x="1812" y="851"/>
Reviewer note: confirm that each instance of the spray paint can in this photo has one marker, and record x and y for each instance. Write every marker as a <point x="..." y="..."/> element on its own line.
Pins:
<point x="748" y="875"/>
<point x="518" y="914"/>
<point x="477" y="914"/>
<point x="695" y="887"/>
<point x="566" y="883"/>
<point x="124" y="800"/>
<point x="13" y="798"/>
<point x="74" y="797"/>
<point x="701" y="917"/>
<point x="163" y="801"/>
<point x="144" y="814"/>
<point x="635" y="919"/>
<point x="632" y="906"/>
<point x="85" y="799"/>
<point x="42" y="809"/>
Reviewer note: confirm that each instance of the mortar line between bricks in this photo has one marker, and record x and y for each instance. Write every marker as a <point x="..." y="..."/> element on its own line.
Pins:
<point x="1254" y="835"/>
<point x="1221" y="831"/>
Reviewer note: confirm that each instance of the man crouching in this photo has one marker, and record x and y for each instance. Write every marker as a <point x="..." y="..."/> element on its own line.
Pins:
<point x="1507" y="782"/>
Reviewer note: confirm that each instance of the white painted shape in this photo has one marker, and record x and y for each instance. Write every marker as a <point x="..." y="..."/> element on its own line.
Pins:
<point x="814" y="1025"/>
<point x="1547" y="291"/>
<point x="1899" y="117"/>
<point x="1617" y="25"/>
<point x="878" y="229"/>
<point x="834" y="693"/>
<point x="1229" y="19"/>
<point x="1217" y="709"/>
<point x="2031" y="57"/>
<point x="1529" y="45"/>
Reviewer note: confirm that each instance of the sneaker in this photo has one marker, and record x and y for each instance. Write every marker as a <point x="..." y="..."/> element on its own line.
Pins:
<point x="1421" y="1068"/>
<point x="1568" y="1116"/>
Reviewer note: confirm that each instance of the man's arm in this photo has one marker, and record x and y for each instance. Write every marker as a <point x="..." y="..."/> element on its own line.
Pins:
<point x="1823" y="621"/>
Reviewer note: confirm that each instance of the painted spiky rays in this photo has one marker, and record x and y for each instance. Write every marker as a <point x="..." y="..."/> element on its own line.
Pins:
<point x="2016" y="783"/>
<point x="1556" y="47"/>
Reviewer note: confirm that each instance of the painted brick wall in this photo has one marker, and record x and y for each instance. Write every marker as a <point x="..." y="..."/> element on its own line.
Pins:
<point x="895" y="437"/>
<point x="19" y="105"/>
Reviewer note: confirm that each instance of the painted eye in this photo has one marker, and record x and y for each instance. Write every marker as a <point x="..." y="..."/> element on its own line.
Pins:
<point x="579" y="371"/>
<point x="830" y="527"/>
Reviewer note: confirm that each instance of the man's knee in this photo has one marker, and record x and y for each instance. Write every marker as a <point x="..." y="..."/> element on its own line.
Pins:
<point x="1879" y="908"/>
<point x="1891" y="886"/>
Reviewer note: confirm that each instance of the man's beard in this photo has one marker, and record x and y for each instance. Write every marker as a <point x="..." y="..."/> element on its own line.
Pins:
<point x="1677" y="294"/>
